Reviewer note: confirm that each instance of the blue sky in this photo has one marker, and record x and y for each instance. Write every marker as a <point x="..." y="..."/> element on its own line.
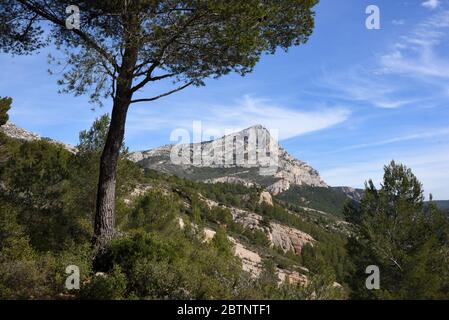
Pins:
<point x="347" y="102"/>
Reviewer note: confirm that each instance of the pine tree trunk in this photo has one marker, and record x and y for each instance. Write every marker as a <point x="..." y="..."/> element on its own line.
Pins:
<point x="104" y="224"/>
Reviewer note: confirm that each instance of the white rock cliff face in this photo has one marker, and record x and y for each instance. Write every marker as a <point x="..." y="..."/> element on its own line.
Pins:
<point x="265" y="197"/>
<point x="279" y="186"/>
<point x="253" y="147"/>
<point x="289" y="239"/>
<point x="296" y="172"/>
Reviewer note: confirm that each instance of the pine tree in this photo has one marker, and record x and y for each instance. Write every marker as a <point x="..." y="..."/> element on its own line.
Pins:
<point x="5" y="105"/>
<point x="406" y="240"/>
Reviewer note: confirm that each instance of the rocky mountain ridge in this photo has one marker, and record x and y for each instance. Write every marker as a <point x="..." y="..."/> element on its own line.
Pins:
<point x="249" y="157"/>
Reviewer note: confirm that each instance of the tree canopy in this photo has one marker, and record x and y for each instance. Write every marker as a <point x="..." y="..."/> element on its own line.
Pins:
<point x="186" y="41"/>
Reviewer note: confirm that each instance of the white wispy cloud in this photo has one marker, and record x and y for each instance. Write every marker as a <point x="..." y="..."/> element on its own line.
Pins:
<point x="416" y="53"/>
<point x="368" y="86"/>
<point x="416" y="56"/>
<point x="246" y="112"/>
<point x="431" y="4"/>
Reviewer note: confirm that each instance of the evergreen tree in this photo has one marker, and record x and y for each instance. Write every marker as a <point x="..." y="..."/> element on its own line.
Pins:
<point x="5" y="105"/>
<point x="93" y="140"/>
<point x="406" y="240"/>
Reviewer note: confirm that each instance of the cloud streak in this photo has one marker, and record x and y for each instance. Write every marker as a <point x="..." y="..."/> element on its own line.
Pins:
<point x="366" y="86"/>
<point x="414" y="59"/>
<point x="244" y="113"/>
<point x="416" y="54"/>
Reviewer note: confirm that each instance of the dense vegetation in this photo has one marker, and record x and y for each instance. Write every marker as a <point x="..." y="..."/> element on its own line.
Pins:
<point x="328" y="200"/>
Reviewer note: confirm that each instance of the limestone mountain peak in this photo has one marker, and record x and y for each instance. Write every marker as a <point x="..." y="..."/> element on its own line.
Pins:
<point x="252" y="156"/>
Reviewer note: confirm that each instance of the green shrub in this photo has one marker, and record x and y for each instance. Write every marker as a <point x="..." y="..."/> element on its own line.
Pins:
<point x="109" y="286"/>
<point x="154" y="211"/>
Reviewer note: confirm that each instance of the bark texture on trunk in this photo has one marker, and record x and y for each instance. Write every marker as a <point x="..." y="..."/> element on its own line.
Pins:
<point x="104" y="222"/>
<point x="104" y="225"/>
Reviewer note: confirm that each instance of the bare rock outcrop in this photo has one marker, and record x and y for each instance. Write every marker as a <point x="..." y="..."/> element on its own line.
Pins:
<point x="352" y="193"/>
<point x="289" y="239"/>
<point x="251" y="261"/>
<point x="265" y="197"/>
<point x="279" y="187"/>
<point x="12" y="131"/>
<point x="281" y="236"/>
<point x="249" y="220"/>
